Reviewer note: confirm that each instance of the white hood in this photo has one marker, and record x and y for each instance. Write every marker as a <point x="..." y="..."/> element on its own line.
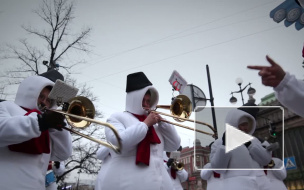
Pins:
<point x="233" y="117"/>
<point x="29" y="91"/>
<point x="134" y="100"/>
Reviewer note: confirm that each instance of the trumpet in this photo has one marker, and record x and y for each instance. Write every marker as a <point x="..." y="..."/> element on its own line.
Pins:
<point x="271" y="164"/>
<point x="181" y="109"/>
<point x="80" y="114"/>
<point x="177" y="165"/>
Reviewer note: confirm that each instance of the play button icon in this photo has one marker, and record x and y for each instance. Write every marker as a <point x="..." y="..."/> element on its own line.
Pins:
<point x="235" y="138"/>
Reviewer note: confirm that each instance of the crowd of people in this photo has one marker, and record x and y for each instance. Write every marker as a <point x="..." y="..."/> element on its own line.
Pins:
<point x="31" y="138"/>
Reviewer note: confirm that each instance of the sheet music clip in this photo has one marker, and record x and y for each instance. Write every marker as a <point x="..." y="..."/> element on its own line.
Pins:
<point x="177" y="81"/>
<point x="59" y="101"/>
<point x="175" y="155"/>
<point x="62" y="93"/>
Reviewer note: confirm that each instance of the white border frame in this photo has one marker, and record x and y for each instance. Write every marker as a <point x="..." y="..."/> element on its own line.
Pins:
<point x="227" y="169"/>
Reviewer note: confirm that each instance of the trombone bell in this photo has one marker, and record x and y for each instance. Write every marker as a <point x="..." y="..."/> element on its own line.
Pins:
<point x="80" y="113"/>
<point x="181" y="107"/>
<point x="80" y="106"/>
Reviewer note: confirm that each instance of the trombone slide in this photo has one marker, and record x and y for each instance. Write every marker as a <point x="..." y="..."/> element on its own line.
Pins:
<point x="117" y="149"/>
<point x="84" y="119"/>
<point x="183" y="126"/>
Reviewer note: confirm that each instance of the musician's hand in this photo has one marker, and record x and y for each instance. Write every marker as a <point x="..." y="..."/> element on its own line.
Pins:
<point x="152" y="119"/>
<point x="247" y="144"/>
<point x="170" y="161"/>
<point x="57" y="164"/>
<point x="51" y="119"/>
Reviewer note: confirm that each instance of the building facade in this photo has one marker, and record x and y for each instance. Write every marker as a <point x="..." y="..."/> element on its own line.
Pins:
<point x="290" y="136"/>
<point x="193" y="159"/>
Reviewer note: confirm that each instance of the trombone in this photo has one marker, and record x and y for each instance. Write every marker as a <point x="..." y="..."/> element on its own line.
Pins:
<point x="80" y="113"/>
<point x="181" y="109"/>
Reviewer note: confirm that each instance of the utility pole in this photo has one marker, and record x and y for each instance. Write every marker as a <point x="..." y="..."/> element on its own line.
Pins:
<point x="212" y="102"/>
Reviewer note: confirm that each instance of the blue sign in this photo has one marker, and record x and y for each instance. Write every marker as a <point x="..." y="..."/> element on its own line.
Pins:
<point x="290" y="163"/>
<point x="291" y="11"/>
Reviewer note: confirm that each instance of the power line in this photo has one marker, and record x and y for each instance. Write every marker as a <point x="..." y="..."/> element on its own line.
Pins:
<point x="215" y="28"/>
<point x="185" y="53"/>
<point x="164" y="39"/>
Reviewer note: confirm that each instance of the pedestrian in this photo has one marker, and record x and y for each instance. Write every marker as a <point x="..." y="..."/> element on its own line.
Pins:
<point x="56" y="168"/>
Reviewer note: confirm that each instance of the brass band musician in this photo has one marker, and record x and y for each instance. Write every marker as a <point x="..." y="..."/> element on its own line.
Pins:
<point x="29" y="138"/>
<point x="175" y="170"/>
<point x="143" y="137"/>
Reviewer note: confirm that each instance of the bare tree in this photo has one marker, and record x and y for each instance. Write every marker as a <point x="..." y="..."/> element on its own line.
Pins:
<point x="57" y="41"/>
<point x="84" y="151"/>
<point x="83" y="160"/>
<point x="56" y="37"/>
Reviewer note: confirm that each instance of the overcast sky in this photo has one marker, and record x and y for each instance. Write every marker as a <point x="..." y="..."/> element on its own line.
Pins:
<point x="160" y="36"/>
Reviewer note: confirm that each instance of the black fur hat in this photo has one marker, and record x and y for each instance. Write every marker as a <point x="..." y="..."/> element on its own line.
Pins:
<point x="136" y="81"/>
<point x="180" y="148"/>
<point x="251" y="110"/>
<point x="52" y="75"/>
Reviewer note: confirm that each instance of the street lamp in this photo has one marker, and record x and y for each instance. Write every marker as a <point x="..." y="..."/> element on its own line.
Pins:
<point x="251" y="91"/>
<point x="51" y="66"/>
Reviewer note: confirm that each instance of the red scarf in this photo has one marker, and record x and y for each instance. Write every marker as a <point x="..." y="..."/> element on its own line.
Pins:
<point x="216" y="175"/>
<point x="266" y="167"/>
<point x="36" y="145"/>
<point x="50" y="166"/>
<point x="265" y="171"/>
<point x="143" y="148"/>
<point x="172" y="171"/>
